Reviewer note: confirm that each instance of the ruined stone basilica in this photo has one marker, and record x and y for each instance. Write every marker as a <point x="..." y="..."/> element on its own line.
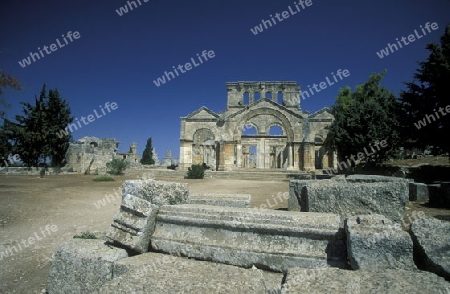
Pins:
<point x="221" y="140"/>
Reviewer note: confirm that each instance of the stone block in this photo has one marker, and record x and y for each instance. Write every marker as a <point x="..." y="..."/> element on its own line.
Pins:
<point x="376" y="243"/>
<point x="350" y="198"/>
<point x="373" y="179"/>
<point x="271" y="239"/>
<point x="134" y="224"/>
<point x="339" y="281"/>
<point x="418" y="192"/>
<point x="431" y="238"/>
<point x="160" y="273"/>
<point x="233" y="200"/>
<point x="82" y="266"/>
<point x="295" y="190"/>
<point x="157" y="192"/>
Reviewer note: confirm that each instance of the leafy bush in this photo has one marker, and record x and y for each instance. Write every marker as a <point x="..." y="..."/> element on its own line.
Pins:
<point x="116" y="166"/>
<point x="104" y="178"/>
<point x="196" y="171"/>
<point x="85" y="235"/>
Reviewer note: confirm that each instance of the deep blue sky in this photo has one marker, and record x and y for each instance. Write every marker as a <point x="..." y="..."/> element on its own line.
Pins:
<point x="117" y="57"/>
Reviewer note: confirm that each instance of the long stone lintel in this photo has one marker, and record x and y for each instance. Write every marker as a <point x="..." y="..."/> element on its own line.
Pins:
<point x="275" y="240"/>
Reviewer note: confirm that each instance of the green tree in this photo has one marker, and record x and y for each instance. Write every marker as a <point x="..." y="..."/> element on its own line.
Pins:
<point x="425" y="100"/>
<point x="196" y="171"/>
<point x="34" y="134"/>
<point x="116" y="166"/>
<point x="362" y="117"/>
<point x="58" y="117"/>
<point x="147" y="155"/>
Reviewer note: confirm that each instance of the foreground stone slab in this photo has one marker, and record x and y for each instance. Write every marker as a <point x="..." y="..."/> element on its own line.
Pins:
<point x="160" y="273"/>
<point x="375" y="243"/>
<point x="333" y="280"/>
<point x="233" y="200"/>
<point x="82" y="266"/>
<point x="418" y="192"/>
<point x="295" y="191"/>
<point x="431" y="239"/>
<point x="348" y="199"/>
<point x="157" y="192"/>
<point x="134" y="224"/>
<point x="373" y="179"/>
<point x="268" y="239"/>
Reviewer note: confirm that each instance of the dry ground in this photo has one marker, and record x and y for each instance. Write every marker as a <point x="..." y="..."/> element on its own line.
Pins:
<point x="28" y="204"/>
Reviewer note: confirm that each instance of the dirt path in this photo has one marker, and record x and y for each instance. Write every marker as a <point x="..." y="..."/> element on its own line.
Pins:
<point x="30" y="206"/>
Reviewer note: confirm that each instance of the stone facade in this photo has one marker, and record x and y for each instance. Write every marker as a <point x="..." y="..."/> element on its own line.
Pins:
<point x="217" y="139"/>
<point x="90" y="154"/>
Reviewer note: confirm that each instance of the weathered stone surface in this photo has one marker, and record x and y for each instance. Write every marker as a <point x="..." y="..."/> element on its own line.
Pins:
<point x="338" y="281"/>
<point x="160" y="273"/>
<point x="373" y="179"/>
<point x="134" y="224"/>
<point x="347" y="199"/>
<point x="157" y="192"/>
<point x="266" y="238"/>
<point x="376" y="243"/>
<point x="233" y="200"/>
<point x="295" y="190"/>
<point x="82" y="266"/>
<point x="418" y="192"/>
<point x="431" y="239"/>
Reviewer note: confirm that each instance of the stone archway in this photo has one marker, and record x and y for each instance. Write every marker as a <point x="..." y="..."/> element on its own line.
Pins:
<point x="271" y="151"/>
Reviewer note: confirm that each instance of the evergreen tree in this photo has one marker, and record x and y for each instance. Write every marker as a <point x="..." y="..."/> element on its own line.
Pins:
<point x="362" y="117"/>
<point x="425" y="101"/>
<point x="58" y="114"/>
<point x="147" y="155"/>
<point x="34" y="134"/>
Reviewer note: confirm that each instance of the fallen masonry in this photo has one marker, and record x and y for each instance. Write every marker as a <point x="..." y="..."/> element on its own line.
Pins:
<point x="161" y="273"/>
<point x="246" y="237"/>
<point x="375" y="243"/>
<point x="160" y="242"/>
<point x="234" y="200"/>
<point x="333" y="280"/>
<point x="354" y="196"/>
<point x="431" y="239"/>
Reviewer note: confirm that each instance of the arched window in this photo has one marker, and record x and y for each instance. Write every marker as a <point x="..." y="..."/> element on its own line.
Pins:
<point x="246" y="98"/>
<point x="269" y="95"/>
<point x="275" y="131"/>
<point x="280" y="97"/>
<point x="257" y="96"/>
<point x="248" y="129"/>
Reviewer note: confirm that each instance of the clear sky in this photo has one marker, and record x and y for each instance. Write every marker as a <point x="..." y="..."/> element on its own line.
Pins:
<point x="116" y="58"/>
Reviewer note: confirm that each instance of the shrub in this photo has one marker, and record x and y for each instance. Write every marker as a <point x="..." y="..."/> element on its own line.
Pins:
<point x="196" y="171"/>
<point x="116" y="166"/>
<point x="85" y="235"/>
<point x="104" y="178"/>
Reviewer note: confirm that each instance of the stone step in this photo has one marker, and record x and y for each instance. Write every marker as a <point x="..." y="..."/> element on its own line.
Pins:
<point x="271" y="239"/>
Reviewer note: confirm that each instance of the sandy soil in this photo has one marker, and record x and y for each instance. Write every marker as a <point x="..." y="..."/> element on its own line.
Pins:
<point x="67" y="202"/>
<point x="30" y="206"/>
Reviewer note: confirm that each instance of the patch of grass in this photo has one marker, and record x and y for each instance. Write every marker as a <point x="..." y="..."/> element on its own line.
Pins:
<point x="104" y="178"/>
<point x="85" y="235"/>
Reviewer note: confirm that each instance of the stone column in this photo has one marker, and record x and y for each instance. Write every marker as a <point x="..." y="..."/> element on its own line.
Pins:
<point x="238" y="154"/>
<point x="306" y="154"/>
<point x="290" y="165"/>
<point x="185" y="155"/>
<point x="297" y="158"/>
